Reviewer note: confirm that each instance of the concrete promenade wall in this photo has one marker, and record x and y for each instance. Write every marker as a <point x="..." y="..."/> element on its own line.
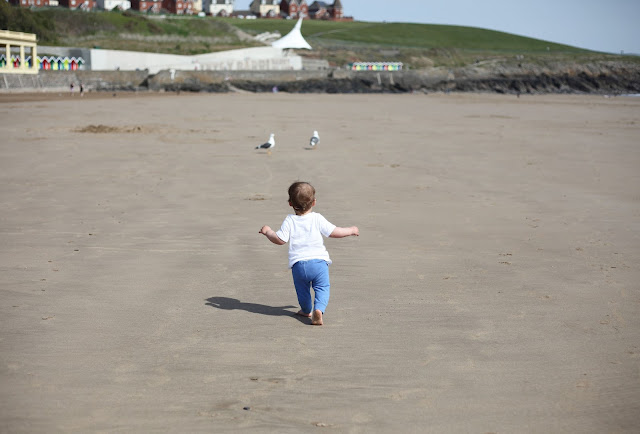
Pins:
<point x="55" y="81"/>
<point x="600" y="78"/>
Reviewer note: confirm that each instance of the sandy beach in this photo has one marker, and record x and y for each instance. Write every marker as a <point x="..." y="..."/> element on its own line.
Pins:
<point x="494" y="286"/>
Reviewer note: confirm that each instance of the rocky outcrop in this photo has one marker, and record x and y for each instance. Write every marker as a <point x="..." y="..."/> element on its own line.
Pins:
<point x="609" y="78"/>
<point x="594" y="78"/>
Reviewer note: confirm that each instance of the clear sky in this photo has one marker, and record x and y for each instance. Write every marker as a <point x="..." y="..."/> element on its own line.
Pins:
<point x="601" y="25"/>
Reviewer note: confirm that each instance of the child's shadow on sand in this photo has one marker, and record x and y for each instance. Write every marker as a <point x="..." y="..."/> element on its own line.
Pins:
<point x="227" y="303"/>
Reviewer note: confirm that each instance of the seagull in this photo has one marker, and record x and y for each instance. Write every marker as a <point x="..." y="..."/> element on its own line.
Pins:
<point x="269" y="144"/>
<point x="315" y="139"/>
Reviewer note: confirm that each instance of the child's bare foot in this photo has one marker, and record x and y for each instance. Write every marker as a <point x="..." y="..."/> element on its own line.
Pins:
<point x="301" y="313"/>
<point x="316" y="318"/>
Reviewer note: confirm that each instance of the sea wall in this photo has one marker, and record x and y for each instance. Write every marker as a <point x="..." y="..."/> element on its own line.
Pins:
<point x="55" y="81"/>
<point x="598" y="78"/>
<point x="254" y="58"/>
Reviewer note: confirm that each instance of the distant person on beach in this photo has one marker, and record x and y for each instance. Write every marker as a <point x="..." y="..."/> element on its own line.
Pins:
<point x="81" y="89"/>
<point x="308" y="258"/>
<point x="71" y="88"/>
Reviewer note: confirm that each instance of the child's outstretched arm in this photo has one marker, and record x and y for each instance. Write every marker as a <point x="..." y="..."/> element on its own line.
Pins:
<point x="271" y="235"/>
<point x="339" y="232"/>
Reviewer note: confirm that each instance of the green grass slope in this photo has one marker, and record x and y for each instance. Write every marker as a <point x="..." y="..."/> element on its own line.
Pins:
<point x="417" y="45"/>
<point x="122" y="30"/>
<point x="405" y="35"/>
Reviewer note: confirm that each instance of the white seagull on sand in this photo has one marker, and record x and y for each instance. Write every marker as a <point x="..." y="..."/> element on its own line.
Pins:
<point x="315" y="139"/>
<point x="269" y="144"/>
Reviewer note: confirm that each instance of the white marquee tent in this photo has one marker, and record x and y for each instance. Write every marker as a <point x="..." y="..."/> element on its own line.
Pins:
<point x="293" y="39"/>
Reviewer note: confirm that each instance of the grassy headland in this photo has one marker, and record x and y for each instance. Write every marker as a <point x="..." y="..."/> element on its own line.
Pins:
<point x="417" y="45"/>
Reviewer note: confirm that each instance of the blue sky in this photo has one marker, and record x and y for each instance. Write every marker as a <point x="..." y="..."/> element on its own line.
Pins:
<point x="601" y="25"/>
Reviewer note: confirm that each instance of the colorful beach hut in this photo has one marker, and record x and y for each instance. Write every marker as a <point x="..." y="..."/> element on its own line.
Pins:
<point x="376" y="66"/>
<point x="45" y="63"/>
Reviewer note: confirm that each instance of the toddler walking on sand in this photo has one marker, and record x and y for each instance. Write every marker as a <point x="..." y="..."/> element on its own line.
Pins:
<point x="308" y="258"/>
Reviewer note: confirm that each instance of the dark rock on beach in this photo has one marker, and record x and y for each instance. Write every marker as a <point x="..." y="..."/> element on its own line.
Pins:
<point x="610" y="77"/>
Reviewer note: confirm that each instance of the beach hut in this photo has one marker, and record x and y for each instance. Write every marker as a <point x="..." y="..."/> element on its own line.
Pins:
<point x="66" y="64"/>
<point x="73" y="64"/>
<point x="16" y="61"/>
<point x="3" y="60"/>
<point x="45" y="63"/>
<point x="80" y="63"/>
<point x="375" y="66"/>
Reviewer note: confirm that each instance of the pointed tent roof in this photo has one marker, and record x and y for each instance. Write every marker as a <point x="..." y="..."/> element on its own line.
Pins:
<point x="293" y="39"/>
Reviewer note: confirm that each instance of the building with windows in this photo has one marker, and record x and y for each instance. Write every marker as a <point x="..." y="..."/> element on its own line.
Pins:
<point x="265" y="8"/>
<point x="149" y="6"/>
<point x="109" y="5"/>
<point x="178" y="7"/>
<point x="31" y="3"/>
<point x="294" y="8"/>
<point x="85" y="5"/>
<point x="325" y="11"/>
<point x="218" y="8"/>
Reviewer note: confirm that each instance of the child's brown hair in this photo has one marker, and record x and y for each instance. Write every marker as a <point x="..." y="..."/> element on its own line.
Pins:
<point x="301" y="196"/>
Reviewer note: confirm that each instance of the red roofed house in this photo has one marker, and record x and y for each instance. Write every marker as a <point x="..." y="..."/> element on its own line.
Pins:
<point x="324" y="11"/>
<point x="336" y="10"/>
<point x="294" y="8"/>
<point x="30" y="3"/>
<point x="178" y="7"/>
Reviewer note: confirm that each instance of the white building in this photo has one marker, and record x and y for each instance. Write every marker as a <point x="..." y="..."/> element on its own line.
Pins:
<point x="109" y="5"/>
<point x="265" y="8"/>
<point x="218" y="7"/>
<point x="244" y="59"/>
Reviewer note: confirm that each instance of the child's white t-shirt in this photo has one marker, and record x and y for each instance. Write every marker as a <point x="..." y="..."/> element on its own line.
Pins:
<point x="304" y="235"/>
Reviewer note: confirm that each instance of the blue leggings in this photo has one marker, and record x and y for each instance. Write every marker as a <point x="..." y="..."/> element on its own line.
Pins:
<point x="312" y="274"/>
